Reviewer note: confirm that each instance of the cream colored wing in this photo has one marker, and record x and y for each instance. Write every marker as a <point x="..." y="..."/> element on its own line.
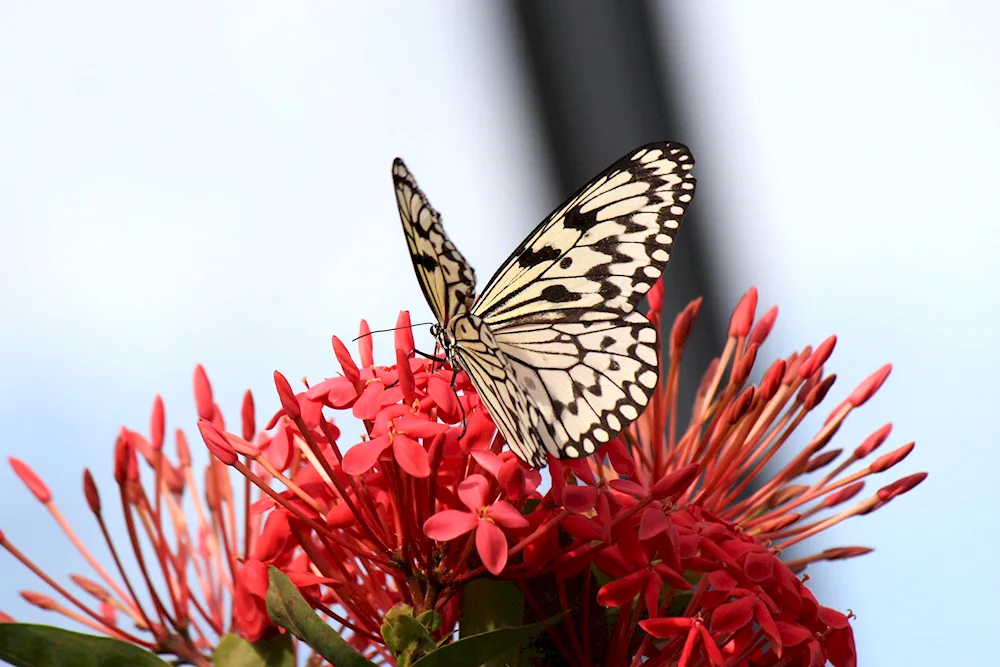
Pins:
<point x="447" y="280"/>
<point x="562" y="307"/>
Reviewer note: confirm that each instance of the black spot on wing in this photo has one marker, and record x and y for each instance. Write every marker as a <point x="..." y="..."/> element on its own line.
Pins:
<point x="559" y="294"/>
<point x="530" y="258"/>
<point x="425" y="262"/>
<point x="566" y="263"/>
<point x="607" y="342"/>
<point x="609" y="291"/>
<point x="579" y="222"/>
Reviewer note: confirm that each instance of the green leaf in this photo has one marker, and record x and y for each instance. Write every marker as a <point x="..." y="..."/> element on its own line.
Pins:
<point x="234" y="651"/>
<point x="488" y="604"/>
<point x="405" y="633"/>
<point x="477" y="649"/>
<point x="27" y="645"/>
<point x="289" y="610"/>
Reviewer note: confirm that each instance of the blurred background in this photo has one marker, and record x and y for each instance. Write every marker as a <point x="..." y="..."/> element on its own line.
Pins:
<point x="210" y="183"/>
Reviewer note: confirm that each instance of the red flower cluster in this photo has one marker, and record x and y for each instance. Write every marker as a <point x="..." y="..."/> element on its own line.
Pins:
<point x="196" y="580"/>
<point x="664" y="548"/>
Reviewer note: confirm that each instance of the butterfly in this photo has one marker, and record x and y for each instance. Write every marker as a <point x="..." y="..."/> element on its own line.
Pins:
<point x="554" y="345"/>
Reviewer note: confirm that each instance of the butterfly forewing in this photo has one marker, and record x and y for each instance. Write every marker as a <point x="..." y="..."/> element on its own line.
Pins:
<point x="601" y="251"/>
<point x="447" y="280"/>
<point x="554" y="345"/>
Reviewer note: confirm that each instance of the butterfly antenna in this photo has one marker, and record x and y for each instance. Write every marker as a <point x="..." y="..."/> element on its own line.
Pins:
<point x="419" y="324"/>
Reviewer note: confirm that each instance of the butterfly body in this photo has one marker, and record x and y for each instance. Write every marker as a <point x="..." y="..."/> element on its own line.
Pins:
<point x="553" y="344"/>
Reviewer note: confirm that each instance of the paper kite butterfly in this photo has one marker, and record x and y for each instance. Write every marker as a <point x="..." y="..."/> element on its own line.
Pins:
<point x="554" y="345"/>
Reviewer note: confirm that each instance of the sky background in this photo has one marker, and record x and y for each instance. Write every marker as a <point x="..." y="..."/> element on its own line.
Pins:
<point x="211" y="184"/>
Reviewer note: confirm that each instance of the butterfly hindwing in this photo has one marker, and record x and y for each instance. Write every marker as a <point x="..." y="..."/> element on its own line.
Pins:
<point x="447" y="280"/>
<point x="498" y="388"/>
<point x="587" y="380"/>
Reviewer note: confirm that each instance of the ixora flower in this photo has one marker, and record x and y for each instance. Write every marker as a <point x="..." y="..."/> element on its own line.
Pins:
<point x="666" y="548"/>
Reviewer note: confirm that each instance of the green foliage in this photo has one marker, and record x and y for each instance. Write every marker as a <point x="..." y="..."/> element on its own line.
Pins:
<point x="488" y="604"/>
<point x="407" y="637"/>
<point x="487" y="631"/>
<point x="234" y="651"/>
<point x="478" y="649"/>
<point x="27" y="645"/>
<point x="289" y="610"/>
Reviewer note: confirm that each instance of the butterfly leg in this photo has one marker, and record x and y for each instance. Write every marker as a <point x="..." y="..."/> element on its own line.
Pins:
<point x="465" y="426"/>
<point x="440" y="360"/>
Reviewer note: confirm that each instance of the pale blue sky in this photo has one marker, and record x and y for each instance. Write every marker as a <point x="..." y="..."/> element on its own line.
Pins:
<point x="210" y="183"/>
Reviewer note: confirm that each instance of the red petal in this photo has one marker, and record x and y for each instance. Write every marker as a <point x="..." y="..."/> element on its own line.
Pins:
<point x="766" y="623"/>
<point x="762" y="329"/>
<point x="346" y="362"/>
<point x="441" y="392"/>
<point x="157" y="424"/>
<point x="368" y="404"/>
<point x="653" y="589"/>
<point x="249" y="614"/>
<point x="449" y="524"/>
<point x="792" y="634"/>
<point x="840" y="648"/>
<point x="673" y="579"/>
<point x="361" y="457"/>
<point x="722" y="580"/>
<point x="620" y="457"/>
<point x="579" y="499"/>
<point x="417" y="427"/>
<point x="504" y="514"/>
<point x="340" y="392"/>
<point x="732" y="616"/>
<point x="654" y="297"/>
<point x="653" y="522"/>
<point x="739" y="324"/>
<point x="217" y="442"/>
<point x="404" y="333"/>
<point x="279" y="452"/>
<point x="365" y="345"/>
<point x="819" y="357"/>
<point x="274" y="537"/>
<point x="341" y="516"/>
<point x="410" y="456"/>
<point x="311" y="411"/>
<point x="203" y="394"/>
<point x="479" y="430"/>
<point x="714" y="655"/>
<point x="676" y="482"/>
<point x="620" y="591"/>
<point x="869" y="386"/>
<point x="873" y="442"/>
<point x="759" y="567"/>
<point x="833" y="618"/>
<point x="664" y="628"/>
<point x="286" y="395"/>
<point x="489" y="461"/>
<point x="513" y="478"/>
<point x="583" y="528"/>
<point x="407" y="384"/>
<point x="491" y="544"/>
<point x="472" y="491"/>
<point x="31" y="480"/>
